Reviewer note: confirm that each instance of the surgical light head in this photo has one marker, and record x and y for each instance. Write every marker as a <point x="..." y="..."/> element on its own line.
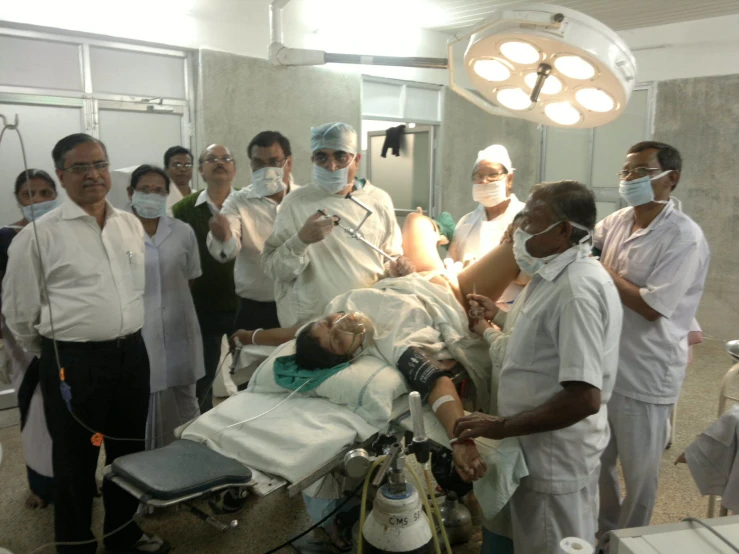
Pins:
<point x="335" y="136"/>
<point x="495" y="153"/>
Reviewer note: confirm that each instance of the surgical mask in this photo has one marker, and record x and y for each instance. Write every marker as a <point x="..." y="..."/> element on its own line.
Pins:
<point x="639" y="191"/>
<point x="149" y="206"/>
<point x="528" y="263"/>
<point x="490" y="194"/>
<point x="37" y="210"/>
<point x="332" y="182"/>
<point x="268" y="181"/>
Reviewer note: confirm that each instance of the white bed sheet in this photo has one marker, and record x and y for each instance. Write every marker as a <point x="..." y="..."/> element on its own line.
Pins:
<point x="291" y="441"/>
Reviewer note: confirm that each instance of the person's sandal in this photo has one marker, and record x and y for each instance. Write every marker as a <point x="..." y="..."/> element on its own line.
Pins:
<point x="146" y="544"/>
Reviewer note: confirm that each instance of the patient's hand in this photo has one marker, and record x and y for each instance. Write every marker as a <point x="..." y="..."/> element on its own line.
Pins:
<point x="244" y="338"/>
<point x="467" y="461"/>
<point x="401" y="267"/>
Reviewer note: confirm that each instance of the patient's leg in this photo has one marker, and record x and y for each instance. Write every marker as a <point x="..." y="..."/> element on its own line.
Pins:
<point x="491" y="274"/>
<point x="420" y="238"/>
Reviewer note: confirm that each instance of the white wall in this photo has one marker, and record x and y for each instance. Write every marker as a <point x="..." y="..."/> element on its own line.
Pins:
<point x="383" y="27"/>
<point x="684" y="50"/>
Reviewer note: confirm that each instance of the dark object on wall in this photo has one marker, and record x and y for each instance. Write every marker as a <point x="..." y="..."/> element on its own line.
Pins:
<point x="393" y="136"/>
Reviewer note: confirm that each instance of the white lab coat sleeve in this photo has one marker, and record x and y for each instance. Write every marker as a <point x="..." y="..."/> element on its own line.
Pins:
<point x="226" y="251"/>
<point x="674" y="273"/>
<point x="581" y="341"/>
<point x="22" y="292"/>
<point x="193" y="256"/>
<point x="393" y="243"/>
<point x="285" y="256"/>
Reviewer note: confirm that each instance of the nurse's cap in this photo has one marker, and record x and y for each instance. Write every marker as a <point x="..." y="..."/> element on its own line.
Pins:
<point x="336" y="136"/>
<point x="496" y="154"/>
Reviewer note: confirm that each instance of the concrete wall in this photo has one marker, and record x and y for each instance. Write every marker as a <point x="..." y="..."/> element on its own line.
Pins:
<point x="242" y="96"/>
<point x="700" y="117"/>
<point x="466" y="129"/>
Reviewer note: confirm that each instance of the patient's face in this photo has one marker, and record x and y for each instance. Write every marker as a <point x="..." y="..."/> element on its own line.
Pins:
<point x="339" y="333"/>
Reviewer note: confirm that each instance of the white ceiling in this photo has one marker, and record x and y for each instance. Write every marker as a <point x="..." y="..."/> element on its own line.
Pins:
<point x="453" y="15"/>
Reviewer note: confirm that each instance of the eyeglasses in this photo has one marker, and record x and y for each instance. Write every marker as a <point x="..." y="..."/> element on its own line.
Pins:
<point x="161" y="191"/>
<point x="342" y="159"/>
<point x="84" y="169"/>
<point x="256" y="165"/>
<point x="214" y="160"/>
<point x="179" y="165"/>
<point x="640" y="172"/>
<point x="487" y="178"/>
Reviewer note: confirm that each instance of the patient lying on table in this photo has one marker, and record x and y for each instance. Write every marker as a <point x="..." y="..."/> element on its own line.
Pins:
<point x="417" y="323"/>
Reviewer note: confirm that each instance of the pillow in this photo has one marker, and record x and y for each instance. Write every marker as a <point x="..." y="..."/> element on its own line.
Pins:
<point x="368" y="386"/>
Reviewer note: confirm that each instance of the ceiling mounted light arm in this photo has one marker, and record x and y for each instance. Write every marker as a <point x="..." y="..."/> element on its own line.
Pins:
<point x="279" y="54"/>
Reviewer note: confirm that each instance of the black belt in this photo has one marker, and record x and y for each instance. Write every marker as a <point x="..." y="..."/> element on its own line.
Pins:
<point x="120" y="342"/>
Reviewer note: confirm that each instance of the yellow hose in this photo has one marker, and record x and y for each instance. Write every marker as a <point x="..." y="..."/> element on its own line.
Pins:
<point x="427" y="474"/>
<point x="429" y="513"/>
<point x="363" y="508"/>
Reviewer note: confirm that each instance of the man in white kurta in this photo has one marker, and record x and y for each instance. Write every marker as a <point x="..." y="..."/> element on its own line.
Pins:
<point x="559" y="371"/>
<point x="246" y="220"/>
<point x="309" y="259"/>
<point x="481" y="230"/>
<point x="658" y="258"/>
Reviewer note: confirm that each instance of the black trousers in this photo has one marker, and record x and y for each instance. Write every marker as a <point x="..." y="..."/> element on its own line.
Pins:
<point x="257" y="315"/>
<point x="109" y="382"/>
<point x="213" y="326"/>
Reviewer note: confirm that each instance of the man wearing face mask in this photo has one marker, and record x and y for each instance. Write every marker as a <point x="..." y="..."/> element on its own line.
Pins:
<point x="216" y="302"/>
<point x="558" y="372"/>
<point x="310" y="261"/>
<point x="658" y="258"/>
<point x="247" y="219"/>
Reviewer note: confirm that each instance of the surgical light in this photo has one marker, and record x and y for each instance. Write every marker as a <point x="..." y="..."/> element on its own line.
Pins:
<point x="552" y="85"/>
<point x="492" y="70"/>
<point x="520" y="52"/>
<point x="548" y="64"/>
<point x="575" y="67"/>
<point x="514" y="99"/>
<point x="595" y="100"/>
<point x="562" y="113"/>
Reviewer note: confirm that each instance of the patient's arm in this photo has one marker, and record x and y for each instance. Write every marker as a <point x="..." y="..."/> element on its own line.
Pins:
<point x="466" y="457"/>
<point x="265" y="337"/>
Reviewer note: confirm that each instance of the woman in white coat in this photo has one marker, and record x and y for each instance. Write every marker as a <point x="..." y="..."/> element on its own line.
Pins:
<point x="171" y="331"/>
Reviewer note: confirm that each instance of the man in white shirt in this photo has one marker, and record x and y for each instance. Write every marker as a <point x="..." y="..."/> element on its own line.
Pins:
<point x="481" y="230"/>
<point x="309" y="260"/>
<point x="246" y="221"/>
<point x="213" y="292"/>
<point x="658" y="258"/>
<point x="92" y="287"/>
<point x="559" y="370"/>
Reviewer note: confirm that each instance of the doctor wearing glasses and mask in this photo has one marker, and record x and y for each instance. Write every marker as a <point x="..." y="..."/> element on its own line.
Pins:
<point x="658" y="259"/>
<point x="309" y="259"/>
<point x="241" y="229"/>
<point x="558" y="372"/>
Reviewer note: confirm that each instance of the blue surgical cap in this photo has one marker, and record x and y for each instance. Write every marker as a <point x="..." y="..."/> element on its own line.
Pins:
<point x="336" y="136"/>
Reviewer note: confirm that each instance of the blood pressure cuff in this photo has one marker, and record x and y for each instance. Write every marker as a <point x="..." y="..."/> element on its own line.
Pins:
<point x="420" y="372"/>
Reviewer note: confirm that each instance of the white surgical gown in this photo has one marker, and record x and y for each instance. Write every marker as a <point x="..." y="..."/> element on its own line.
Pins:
<point x="306" y="276"/>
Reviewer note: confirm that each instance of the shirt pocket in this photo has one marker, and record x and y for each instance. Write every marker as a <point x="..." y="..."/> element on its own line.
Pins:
<point x="521" y="348"/>
<point x="136" y="265"/>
